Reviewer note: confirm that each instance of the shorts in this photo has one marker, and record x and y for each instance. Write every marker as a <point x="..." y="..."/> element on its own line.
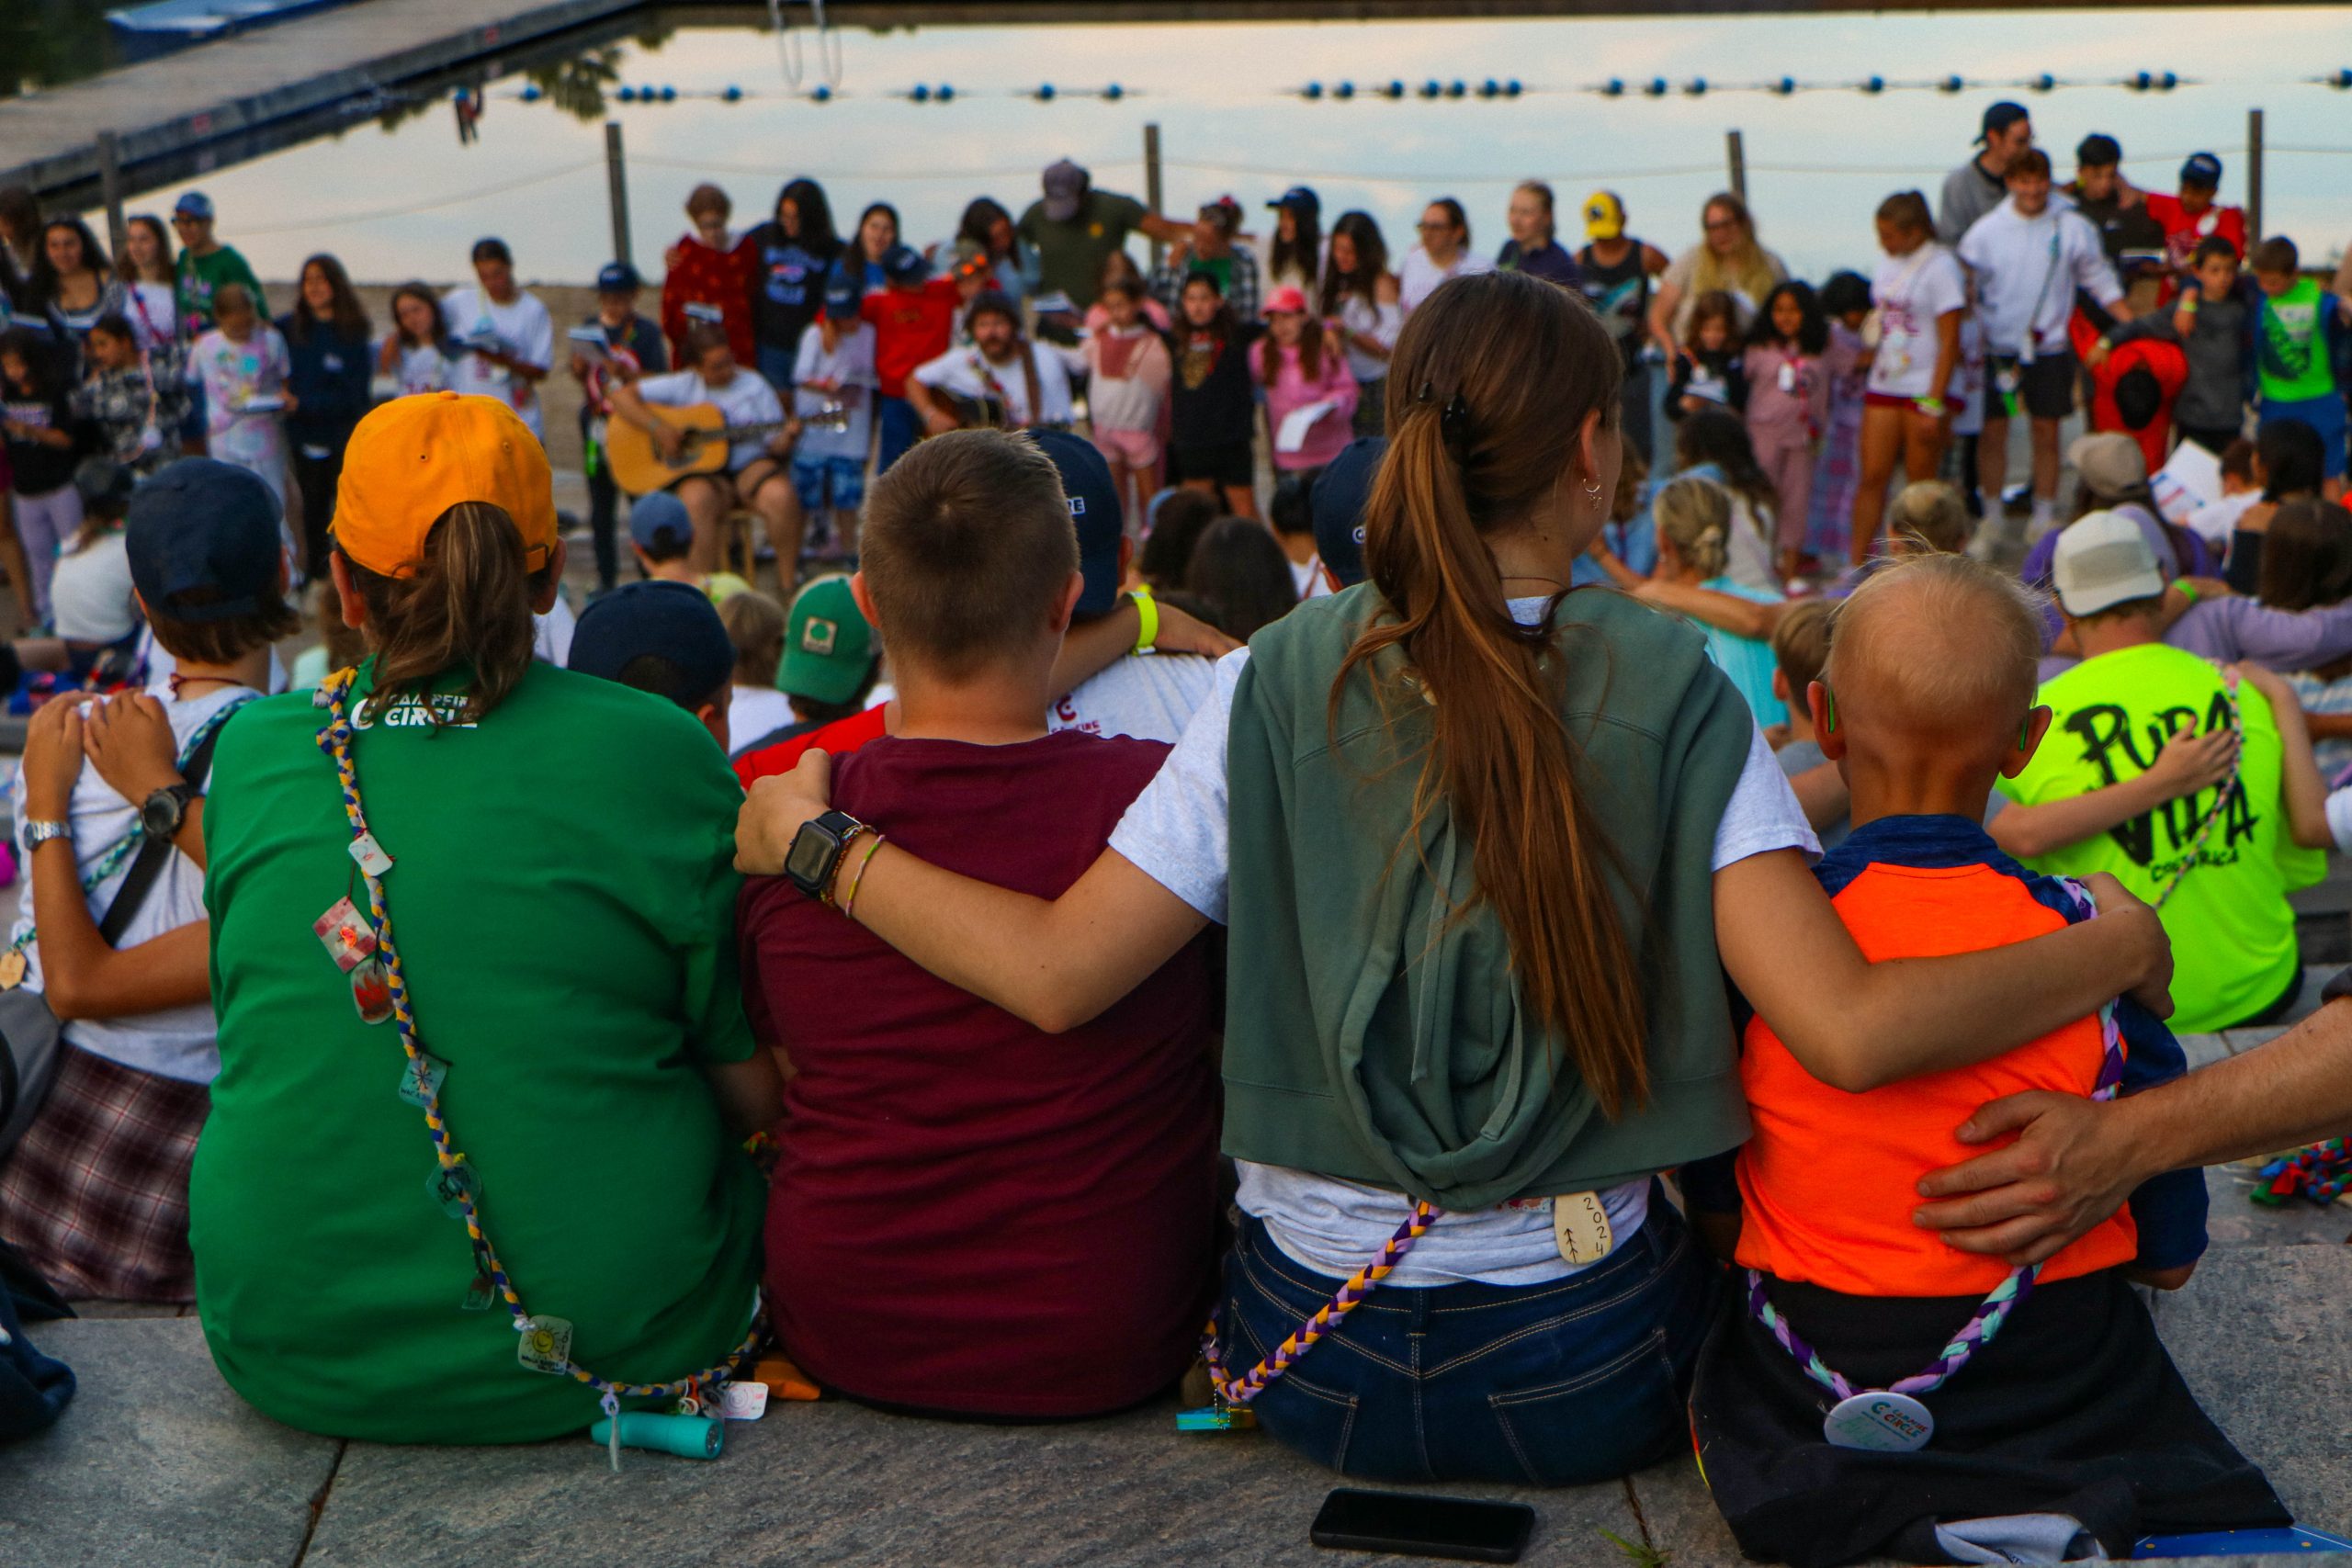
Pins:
<point x="2044" y="388"/>
<point x="810" y="477"/>
<point x="1133" y="449"/>
<point x="1229" y="463"/>
<point x="2324" y="414"/>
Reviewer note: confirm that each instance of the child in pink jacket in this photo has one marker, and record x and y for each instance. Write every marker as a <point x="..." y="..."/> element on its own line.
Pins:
<point x="1788" y="405"/>
<point x="1296" y="366"/>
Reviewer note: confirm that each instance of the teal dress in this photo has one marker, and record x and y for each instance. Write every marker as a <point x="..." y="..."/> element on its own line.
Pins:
<point x="1747" y="661"/>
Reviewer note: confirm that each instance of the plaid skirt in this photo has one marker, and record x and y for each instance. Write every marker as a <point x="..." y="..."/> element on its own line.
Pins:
<point x="96" y="1194"/>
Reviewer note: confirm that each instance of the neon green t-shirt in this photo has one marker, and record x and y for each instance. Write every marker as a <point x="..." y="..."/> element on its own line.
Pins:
<point x="563" y="898"/>
<point x="2290" y="342"/>
<point x="2233" y="932"/>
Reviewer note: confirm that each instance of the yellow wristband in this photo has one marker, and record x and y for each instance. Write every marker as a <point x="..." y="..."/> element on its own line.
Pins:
<point x="1148" y="618"/>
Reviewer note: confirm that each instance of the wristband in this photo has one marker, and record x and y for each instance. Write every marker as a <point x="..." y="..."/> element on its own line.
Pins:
<point x="2187" y="303"/>
<point x="858" y="877"/>
<point x="2188" y="590"/>
<point x="1148" y="618"/>
<point x="1932" y="407"/>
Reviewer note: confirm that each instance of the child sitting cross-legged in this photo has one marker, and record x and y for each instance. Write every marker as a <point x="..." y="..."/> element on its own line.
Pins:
<point x="1858" y="1403"/>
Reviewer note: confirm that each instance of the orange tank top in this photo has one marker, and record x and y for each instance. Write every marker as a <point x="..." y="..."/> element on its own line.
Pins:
<point x="1827" y="1182"/>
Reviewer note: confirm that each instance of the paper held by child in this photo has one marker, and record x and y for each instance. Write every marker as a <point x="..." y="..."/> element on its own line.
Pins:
<point x="1292" y="436"/>
<point x="2191" y="477"/>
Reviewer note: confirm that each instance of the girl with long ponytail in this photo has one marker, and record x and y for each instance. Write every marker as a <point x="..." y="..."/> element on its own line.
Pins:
<point x="1486" y="849"/>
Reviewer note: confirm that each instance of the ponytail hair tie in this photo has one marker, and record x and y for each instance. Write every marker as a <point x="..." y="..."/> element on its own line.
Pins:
<point x="1711" y="534"/>
<point x="1453" y="423"/>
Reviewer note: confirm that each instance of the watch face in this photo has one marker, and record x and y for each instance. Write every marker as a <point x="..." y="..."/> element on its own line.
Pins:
<point x="160" y="815"/>
<point x="811" y="855"/>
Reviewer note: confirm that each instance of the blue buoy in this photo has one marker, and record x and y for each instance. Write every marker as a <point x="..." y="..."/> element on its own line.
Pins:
<point x="1785" y="86"/>
<point x="1313" y="90"/>
<point x="2140" y="82"/>
<point x="2341" y="79"/>
<point x="1696" y="86"/>
<point x="1394" y="90"/>
<point x="2168" y="81"/>
<point x="1045" y="92"/>
<point x="1952" y="84"/>
<point x="1431" y="89"/>
<point x="531" y="94"/>
<point x="1344" y="90"/>
<point x="1114" y="93"/>
<point x="1656" y="87"/>
<point x="1511" y="88"/>
<point x="669" y="94"/>
<point x="2043" y="83"/>
<point x="947" y="93"/>
<point x="921" y="94"/>
<point x="1456" y="89"/>
<point x="1490" y="89"/>
<point x="1613" y="88"/>
<point x="821" y="93"/>
<point x="1873" y="84"/>
<point x="733" y="94"/>
<point x="627" y="94"/>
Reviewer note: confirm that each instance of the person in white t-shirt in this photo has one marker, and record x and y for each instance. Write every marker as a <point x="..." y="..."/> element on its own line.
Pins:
<point x="756" y="707"/>
<point x="759" y="445"/>
<point x="1024" y="384"/>
<point x="508" y="336"/>
<point x="1418" y="1087"/>
<point x="1444" y="252"/>
<point x="1920" y="298"/>
<point x="2027" y="257"/>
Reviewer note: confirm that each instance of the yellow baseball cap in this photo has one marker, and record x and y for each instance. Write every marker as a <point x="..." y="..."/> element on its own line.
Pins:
<point x="415" y="457"/>
<point x="1604" y="215"/>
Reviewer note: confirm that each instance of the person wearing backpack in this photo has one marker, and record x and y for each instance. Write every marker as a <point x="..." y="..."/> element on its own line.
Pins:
<point x="114" y="938"/>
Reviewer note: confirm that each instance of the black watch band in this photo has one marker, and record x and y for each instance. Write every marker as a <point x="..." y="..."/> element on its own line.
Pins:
<point x="815" y="853"/>
<point x="161" y="814"/>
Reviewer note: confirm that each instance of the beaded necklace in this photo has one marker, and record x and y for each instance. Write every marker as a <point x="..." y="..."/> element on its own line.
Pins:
<point x="546" y="1344"/>
<point x="1892" y="1419"/>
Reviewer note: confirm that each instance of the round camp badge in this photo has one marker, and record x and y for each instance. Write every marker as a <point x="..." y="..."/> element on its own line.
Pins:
<point x="1879" y="1422"/>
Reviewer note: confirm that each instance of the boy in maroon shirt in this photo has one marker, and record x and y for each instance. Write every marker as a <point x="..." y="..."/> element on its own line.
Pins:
<point x="969" y="1215"/>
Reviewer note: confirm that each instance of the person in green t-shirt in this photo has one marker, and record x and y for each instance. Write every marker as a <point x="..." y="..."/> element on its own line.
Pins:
<point x="565" y="933"/>
<point x="2299" y="336"/>
<point x="206" y="265"/>
<point x="2218" y="864"/>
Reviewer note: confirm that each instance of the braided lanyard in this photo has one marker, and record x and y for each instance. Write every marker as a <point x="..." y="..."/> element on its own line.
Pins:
<point x="119" y="852"/>
<point x="546" y="1342"/>
<point x="1233" y="1390"/>
<point x="1891" y="1419"/>
<point x="2221" y="800"/>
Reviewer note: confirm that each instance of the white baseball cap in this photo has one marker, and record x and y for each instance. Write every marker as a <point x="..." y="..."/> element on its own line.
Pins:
<point x="2102" y="560"/>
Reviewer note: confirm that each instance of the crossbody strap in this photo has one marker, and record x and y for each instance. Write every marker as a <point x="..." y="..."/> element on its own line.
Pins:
<point x="148" y="865"/>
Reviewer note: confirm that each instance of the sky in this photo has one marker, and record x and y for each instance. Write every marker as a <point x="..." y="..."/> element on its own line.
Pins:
<point x="1227" y="96"/>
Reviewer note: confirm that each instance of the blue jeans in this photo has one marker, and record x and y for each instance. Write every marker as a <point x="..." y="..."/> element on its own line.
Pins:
<point x="898" y="430"/>
<point x="1578" y="1380"/>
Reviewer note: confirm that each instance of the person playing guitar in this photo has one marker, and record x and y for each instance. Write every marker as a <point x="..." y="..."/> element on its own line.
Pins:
<point x="1001" y="378"/>
<point x="757" y="472"/>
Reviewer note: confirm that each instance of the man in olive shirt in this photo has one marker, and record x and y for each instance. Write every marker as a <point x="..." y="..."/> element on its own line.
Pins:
<point x="1074" y="229"/>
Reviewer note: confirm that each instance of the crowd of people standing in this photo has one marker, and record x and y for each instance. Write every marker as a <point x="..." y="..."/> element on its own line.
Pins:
<point x="1027" y="896"/>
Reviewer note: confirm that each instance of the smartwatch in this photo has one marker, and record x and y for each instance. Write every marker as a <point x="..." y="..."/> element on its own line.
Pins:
<point x="163" y="812"/>
<point x="817" y="851"/>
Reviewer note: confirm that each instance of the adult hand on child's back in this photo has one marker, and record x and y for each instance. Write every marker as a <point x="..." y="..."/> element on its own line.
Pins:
<point x="2117" y="902"/>
<point x="129" y="739"/>
<point x="2072" y="1165"/>
<point x="2191" y="763"/>
<point x="1181" y="633"/>
<point x="775" y="809"/>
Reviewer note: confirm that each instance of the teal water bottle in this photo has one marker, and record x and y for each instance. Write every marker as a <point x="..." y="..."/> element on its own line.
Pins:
<point x="688" y="1437"/>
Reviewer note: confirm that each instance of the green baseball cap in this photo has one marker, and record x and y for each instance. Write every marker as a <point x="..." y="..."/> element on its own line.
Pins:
<point x="827" y="647"/>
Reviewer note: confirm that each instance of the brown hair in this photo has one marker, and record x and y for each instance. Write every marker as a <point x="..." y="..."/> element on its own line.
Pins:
<point x="1310" y="351"/>
<point x="469" y="603"/>
<point x="346" y="646"/>
<point x="754" y="624"/>
<point x="225" y="641"/>
<point x="1493" y="378"/>
<point x="2033" y="163"/>
<point x="1801" y="646"/>
<point x="1714" y="305"/>
<point x="700" y="339"/>
<point x="965" y="544"/>
<point x="709" y="198"/>
<point x="2307" y="556"/>
<point x="343" y="310"/>
<point x="2237" y="460"/>
<point x="166" y="258"/>
<point x="2277" y="255"/>
<point x="1907" y="210"/>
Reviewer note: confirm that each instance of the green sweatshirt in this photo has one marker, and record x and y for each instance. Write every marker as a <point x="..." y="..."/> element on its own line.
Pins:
<point x="1370" y="1037"/>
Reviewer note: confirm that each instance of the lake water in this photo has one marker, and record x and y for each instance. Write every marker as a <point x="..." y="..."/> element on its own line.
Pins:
<point x="407" y="201"/>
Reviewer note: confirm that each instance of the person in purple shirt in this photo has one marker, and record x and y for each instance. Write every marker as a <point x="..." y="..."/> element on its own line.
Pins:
<point x="1533" y="248"/>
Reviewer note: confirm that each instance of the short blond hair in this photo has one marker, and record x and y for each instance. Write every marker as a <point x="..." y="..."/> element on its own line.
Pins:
<point x="754" y="624"/>
<point x="1695" y="514"/>
<point x="1937" y="644"/>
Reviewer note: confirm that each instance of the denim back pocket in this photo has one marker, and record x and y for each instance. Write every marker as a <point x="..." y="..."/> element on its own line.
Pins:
<point x="1598" y="1424"/>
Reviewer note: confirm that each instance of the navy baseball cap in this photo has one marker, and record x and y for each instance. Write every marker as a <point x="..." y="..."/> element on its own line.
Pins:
<point x="193" y="204"/>
<point x="904" y="265"/>
<point x="1341" y="491"/>
<point x="1301" y="200"/>
<point x="1094" y="512"/>
<point x="203" y="540"/>
<point x="652" y="517"/>
<point x="842" y="295"/>
<point x="673" y="621"/>
<point x="618" y="277"/>
<point x="2202" y="169"/>
<point x="1999" y="117"/>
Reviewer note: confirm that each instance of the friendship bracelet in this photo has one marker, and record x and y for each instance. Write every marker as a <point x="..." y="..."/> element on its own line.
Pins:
<point x="858" y="877"/>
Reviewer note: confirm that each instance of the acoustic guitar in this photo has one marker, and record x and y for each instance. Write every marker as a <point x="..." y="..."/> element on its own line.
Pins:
<point x="637" y="466"/>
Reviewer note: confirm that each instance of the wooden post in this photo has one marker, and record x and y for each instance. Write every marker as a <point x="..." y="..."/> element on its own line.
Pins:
<point x="110" y="192"/>
<point x="1735" y="155"/>
<point x="1151" y="178"/>
<point x="617" y="184"/>
<point x="2253" y="175"/>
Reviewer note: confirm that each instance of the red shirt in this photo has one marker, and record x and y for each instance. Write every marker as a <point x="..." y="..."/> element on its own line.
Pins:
<point x="911" y="327"/>
<point x="704" y="276"/>
<point x="967" y="1214"/>
<point x="2183" y="232"/>
<point x="841" y="738"/>
<point x="2164" y="360"/>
